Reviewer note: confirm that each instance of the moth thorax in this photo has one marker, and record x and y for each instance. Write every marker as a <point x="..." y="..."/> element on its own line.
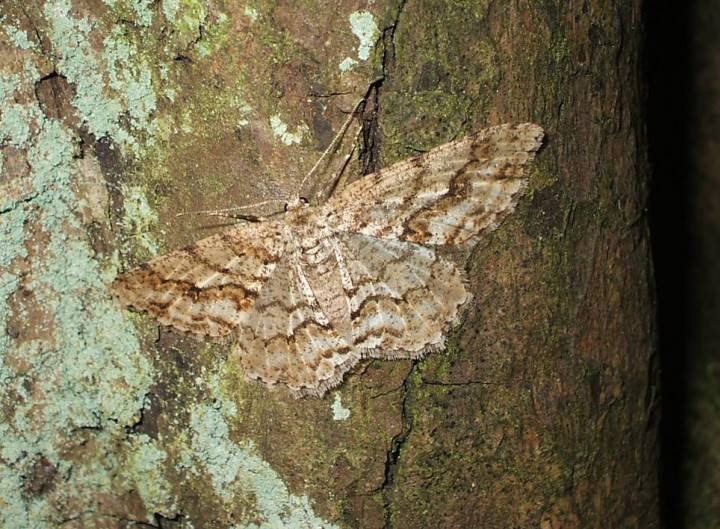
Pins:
<point x="296" y="203"/>
<point x="317" y="251"/>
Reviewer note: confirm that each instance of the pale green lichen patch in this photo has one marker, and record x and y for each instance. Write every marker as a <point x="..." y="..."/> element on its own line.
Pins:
<point x="9" y="84"/>
<point x="145" y="470"/>
<point x="340" y="412"/>
<point x="347" y="63"/>
<point x="236" y="468"/>
<point x="138" y="218"/>
<point x="69" y="359"/>
<point x="364" y="27"/>
<point x="251" y="13"/>
<point x="280" y="129"/>
<point x="16" y="123"/>
<point x="15" y="118"/>
<point x="19" y="38"/>
<point x="110" y="84"/>
<point x="73" y="375"/>
<point x="129" y="74"/>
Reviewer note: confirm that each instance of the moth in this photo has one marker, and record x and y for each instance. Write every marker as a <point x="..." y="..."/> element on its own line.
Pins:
<point x="307" y="294"/>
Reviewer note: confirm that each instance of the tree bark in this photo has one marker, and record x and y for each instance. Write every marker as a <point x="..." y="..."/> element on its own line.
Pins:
<point x="542" y="412"/>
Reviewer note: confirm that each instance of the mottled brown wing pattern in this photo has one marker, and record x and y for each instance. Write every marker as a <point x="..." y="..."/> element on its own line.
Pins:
<point x="287" y="339"/>
<point x="403" y="296"/>
<point x="209" y="287"/>
<point x="310" y="294"/>
<point x="449" y="195"/>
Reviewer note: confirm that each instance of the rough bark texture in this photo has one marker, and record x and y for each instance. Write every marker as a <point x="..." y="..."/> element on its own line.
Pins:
<point x="541" y="413"/>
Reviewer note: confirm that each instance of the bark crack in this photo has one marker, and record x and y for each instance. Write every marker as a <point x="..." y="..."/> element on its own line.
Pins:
<point x="397" y="445"/>
<point x="369" y="153"/>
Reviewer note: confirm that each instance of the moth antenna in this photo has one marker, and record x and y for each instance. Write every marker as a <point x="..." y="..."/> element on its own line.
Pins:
<point x="329" y="188"/>
<point x="223" y="212"/>
<point x="333" y="145"/>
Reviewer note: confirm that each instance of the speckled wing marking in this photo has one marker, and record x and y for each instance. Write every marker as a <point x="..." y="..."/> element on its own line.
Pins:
<point x="449" y="195"/>
<point x="401" y="298"/>
<point x="208" y="287"/>
<point x="310" y="294"/>
<point x="288" y="339"/>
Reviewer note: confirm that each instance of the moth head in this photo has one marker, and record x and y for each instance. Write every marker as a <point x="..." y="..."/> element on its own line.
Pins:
<point x="296" y="202"/>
